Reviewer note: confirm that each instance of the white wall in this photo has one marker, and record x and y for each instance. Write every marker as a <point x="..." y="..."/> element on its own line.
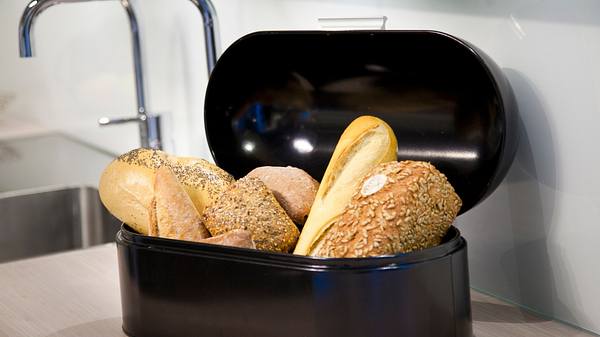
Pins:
<point x="535" y="241"/>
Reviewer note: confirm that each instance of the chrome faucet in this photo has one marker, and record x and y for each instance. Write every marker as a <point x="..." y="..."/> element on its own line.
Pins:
<point x="149" y="125"/>
<point x="211" y="32"/>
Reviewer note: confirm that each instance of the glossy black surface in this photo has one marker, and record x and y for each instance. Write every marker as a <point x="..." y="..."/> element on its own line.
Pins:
<point x="284" y="98"/>
<point x="176" y="288"/>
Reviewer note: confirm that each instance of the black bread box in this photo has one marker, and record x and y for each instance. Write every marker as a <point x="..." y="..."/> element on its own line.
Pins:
<point x="284" y="98"/>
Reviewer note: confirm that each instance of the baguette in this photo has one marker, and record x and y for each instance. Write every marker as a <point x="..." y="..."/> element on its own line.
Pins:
<point x="366" y="142"/>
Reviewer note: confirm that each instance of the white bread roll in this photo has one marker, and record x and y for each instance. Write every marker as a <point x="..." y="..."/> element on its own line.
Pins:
<point x="294" y="189"/>
<point x="127" y="184"/>
<point x="397" y="208"/>
<point x="366" y="142"/>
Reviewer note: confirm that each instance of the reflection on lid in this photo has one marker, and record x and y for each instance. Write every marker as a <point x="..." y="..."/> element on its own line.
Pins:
<point x="253" y="118"/>
<point x="436" y="154"/>
<point x="302" y="145"/>
<point x="248" y="146"/>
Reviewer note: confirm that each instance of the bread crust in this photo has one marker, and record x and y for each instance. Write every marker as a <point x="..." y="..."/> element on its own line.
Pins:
<point x="365" y="143"/>
<point x="127" y="184"/>
<point x="293" y="188"/>
<point x="398" y="207"/>
<point x="176" y="216"/>
<point x="203" y="181"/>
<point x="248" y="204"/>
<point x="236" y="238"/>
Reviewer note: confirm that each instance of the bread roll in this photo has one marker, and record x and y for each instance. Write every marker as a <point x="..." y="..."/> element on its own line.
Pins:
<point x="176" y="217"/>
<point x="127" y="184"/>
<point x="398" y="207"/>
<point x="248" y="204"/>
<point x="202" y="181"/>
<point x="236" y="238"/>
<point x="366" y="142"/>
<point x="293" y="188"/>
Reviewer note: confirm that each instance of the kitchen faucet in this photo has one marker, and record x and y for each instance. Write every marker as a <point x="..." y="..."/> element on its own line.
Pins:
<point x="209" y="19"/>
<point x="149" y="125"/>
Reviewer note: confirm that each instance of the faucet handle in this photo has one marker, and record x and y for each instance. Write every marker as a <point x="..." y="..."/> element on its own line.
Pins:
<point x="103" y="121"/>
<point x="149" y="128"/>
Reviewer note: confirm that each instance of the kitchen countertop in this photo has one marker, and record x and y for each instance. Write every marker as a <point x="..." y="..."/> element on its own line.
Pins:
<point x="77" y="294"/>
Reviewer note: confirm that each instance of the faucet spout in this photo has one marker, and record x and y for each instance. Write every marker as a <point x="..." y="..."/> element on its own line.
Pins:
<point x="33" y="9"/>
<point x="149" y="125"/>
<point x="211" y="32"/>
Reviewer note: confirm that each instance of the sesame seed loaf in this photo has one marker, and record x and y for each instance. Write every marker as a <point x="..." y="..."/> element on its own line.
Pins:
<point x="398" y="207"/>
<point x="248" y="204"/>
<point x="127" y="184"/>
<point x="293" y="188"/>
<point x="202" y="181"/>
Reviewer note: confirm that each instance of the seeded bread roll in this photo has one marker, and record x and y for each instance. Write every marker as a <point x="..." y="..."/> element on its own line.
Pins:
<point x="248" y="204"/>
<point x="127" y="184"/>
<point x="399" y="207"/>
<point x="202" y="181"/>
<point x="293" y="188"/>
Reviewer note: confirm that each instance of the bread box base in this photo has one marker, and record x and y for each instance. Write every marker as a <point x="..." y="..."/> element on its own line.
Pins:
<point x="176" y="288"/>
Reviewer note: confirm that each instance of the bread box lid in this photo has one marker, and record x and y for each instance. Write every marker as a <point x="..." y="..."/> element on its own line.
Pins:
<point x="284" y="98"/>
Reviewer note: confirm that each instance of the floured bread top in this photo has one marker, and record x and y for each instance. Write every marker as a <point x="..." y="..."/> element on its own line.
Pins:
<point x="398" y="207"/>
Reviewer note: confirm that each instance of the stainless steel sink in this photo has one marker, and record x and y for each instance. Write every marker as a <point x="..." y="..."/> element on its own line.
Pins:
<point x="42" y="221"/>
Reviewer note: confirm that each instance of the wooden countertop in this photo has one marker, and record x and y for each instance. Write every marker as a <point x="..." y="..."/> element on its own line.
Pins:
<point x="77" y="294"/>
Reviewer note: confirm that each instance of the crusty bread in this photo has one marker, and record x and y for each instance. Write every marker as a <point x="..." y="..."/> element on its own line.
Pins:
<point x="398" y="207"/>
<point x="366" y="142"/>
<point x="248" y="204"/>
<point x="202" y="180"/>
<point x="127" y="184"/>
<point x="176" y="217"/>
<point x="293" y="188"/>
<point x="236" y="238"/>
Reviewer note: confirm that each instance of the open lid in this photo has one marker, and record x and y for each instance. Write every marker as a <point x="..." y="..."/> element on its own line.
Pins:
<point x="284" y="98"/>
